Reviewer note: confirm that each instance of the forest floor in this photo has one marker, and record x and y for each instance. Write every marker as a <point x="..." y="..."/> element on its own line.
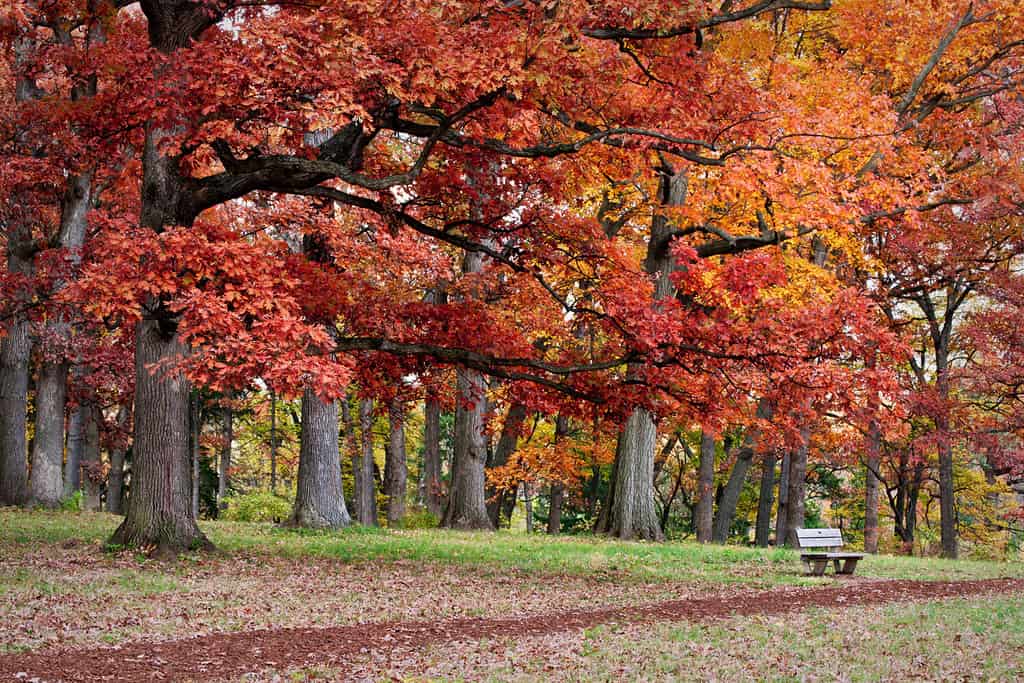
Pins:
<point x="277" y="605"/>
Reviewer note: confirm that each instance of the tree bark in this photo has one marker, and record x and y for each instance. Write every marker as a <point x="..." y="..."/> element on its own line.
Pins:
<point x="765" y="500"/>
<point x="797" y="486"/>
<point x="159" y="510"/>
<point x="507" y="443"/>
<point x="871" y="488"/>
<point x="76" y="444"/>
<point x="47" y="482"/>
<point x="947" y="501"/>
<point x="432" y="456"/>
<point x="224" y="466"/>
<point x="632" y="514"/>
<point x="92" y="467"/>
<point x="731" y="492"/>
<point x="704" y="512"/>
<point x="319" y="499"/>
<point x="365" y="484"/>
<point x="557" y="493"/>
<point x="15" y="353"/>
<point x="782" y="514"/>
<point x="195" y="424"/>
<point x="273" y="441"/>
<point x="115" y="480"/>
<point x="466" y="508"/>
<point x="395" y="468"/>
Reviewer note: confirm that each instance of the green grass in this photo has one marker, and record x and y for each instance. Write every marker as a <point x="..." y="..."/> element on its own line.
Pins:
<point x="595" y="557"/>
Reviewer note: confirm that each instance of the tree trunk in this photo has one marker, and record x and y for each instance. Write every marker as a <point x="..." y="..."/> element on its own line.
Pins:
<point x="506" y="447"/>
<point x="705" y="488"/>
<point x="557" y="494"/>
<point x="632" y="511"/>
<point x="782" y="514"/>
<point x="319" y="499"/>
<point x="947" y="502"/>
<point x="871" y="488"/>
<point x="115" y="480"/>
<point x="159" y="510"/>
<point x="92" y="467"/>
<point x="365" y="484"/>
<point x="195" y="423"/>
<point x="224" y="467"/>
<point x="15" y="352"/>
<point x="797" y="488"/>
<point x="765" y="501"/>
<point x="273" y="441"/>
<point x="731" y="492"/>
<point x="76" y="444"/>
<point x="47" y="483"/>
<point x="466" y="508"/>
<point x="432" y="457"/>
<point x="395" y="469"/>
<point x="632" y="514"/>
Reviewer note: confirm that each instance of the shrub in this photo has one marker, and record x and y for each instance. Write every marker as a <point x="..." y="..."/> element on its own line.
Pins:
<point x="419" y="518"/>
<point x="258" y="506"/>
<point x="73" y="503"/>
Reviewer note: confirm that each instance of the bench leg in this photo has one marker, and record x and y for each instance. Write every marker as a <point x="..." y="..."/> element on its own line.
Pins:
<point x="835" y="565"/>
<point x="848" y="565"/>
<point x="819" y="567"/>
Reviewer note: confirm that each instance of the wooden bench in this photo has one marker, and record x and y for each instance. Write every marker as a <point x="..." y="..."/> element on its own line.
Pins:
<point x="830" y="541"/>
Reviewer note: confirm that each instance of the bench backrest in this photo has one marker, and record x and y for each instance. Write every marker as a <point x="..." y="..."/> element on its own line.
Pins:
<point x="820" y="538"/>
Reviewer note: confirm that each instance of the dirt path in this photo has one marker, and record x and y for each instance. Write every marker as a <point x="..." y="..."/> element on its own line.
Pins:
<point x="233" y="654"/>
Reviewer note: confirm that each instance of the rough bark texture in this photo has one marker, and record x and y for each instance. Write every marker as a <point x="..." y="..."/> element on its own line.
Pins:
<point x="319" y="499"/>
<point x="797" y="486"/>
<point x="224" y="467"/>
<point x="704" y="512"/>
<point x="731" y="492"/>
<point x="871" y="488"/>
<point x="765" y="500"/>
<point x="466" y="508"/>
<point x="92" y="467"/>
<point x="365" y="485"/>
<point x="432" y="494"/>
<point x="557" y="494"/>
<point x="395" y="468"/>
<point x="507" y="442"/>
<point x="273" y="441"/>
<point x="195" y="429"/>
<point x="159" y="510"/>
<point x="115" y="480"/>
<point x="76" y="445"/>
<point x="633" y="513"/>
<point x="782" y="514"/>
<point x="15" y="352"/>
<point x="47" y="482"/>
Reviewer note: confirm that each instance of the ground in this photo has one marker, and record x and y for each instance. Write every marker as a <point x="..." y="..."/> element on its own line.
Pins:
<point x="431" y="605"/>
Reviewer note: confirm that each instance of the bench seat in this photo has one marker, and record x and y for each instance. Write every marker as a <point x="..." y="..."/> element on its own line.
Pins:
<point x="829" y="540"/>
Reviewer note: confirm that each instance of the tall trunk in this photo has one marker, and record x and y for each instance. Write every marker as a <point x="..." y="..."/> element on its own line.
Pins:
<point x="92" y="468"/>
<point x="765" y="500"/>
<point x="395" y="469"/>
<point x="159" y="510"/>
<point x="273" y="441"/>
<point x="871" y="487"/>
<point x="224" y="467"/>
<point x="365" y="484"/>
<point x="47" y="482"/>
<point x="195" y="423"/>
<point x="797" y="488"/>
<point x="76" y="444"/>
<point x="632" y="512"/>
<point x="557" y="490"/>
<point x="737" y="477"/>
<point x="15" y="353"/>
<point x="705" y="488"/>
<point x="528" y="506"/>
<point x="506" y="447"/>
<point x="947" y="501"/>
<point x="782" y="514"/>
<point x="319" y="499"/>
<point x="466" y="508"/>
<point x="432" y="493"/>
<point x="115" y="480"/>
